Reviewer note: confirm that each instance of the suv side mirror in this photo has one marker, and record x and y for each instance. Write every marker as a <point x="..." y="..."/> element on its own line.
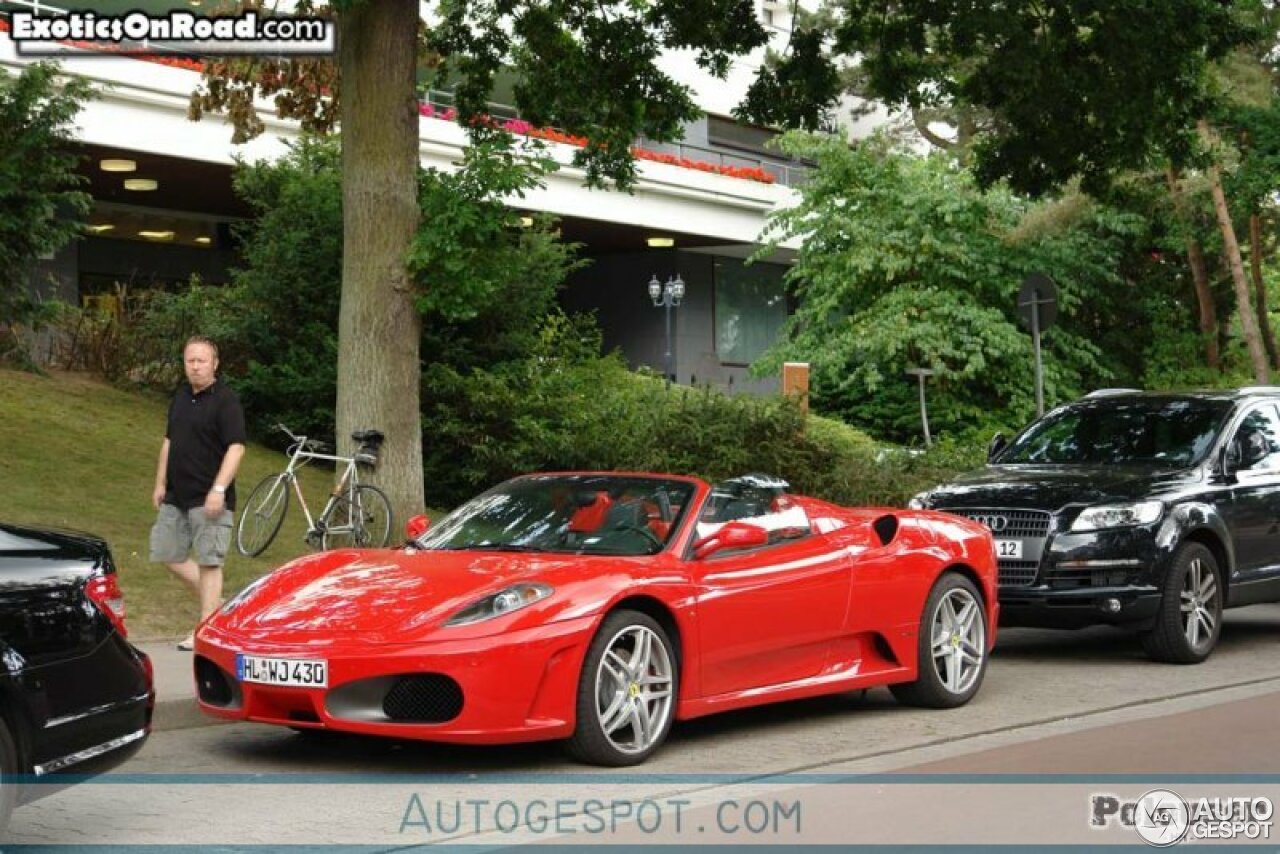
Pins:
<point x="1229" y="459"/>
<point x="998" y="444"/>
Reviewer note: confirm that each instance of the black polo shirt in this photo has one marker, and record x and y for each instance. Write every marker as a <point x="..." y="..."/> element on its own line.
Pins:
<point x="202" y="425"/>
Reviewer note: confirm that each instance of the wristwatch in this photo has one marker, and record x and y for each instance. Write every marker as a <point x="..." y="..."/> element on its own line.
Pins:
<point x="219" y="488"/>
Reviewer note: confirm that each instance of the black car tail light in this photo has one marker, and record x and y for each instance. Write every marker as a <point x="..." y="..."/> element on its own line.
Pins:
<point x="103" y="590"/>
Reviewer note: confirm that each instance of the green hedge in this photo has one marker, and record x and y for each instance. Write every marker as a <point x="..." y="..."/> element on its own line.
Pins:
<point x="573" y="410"/>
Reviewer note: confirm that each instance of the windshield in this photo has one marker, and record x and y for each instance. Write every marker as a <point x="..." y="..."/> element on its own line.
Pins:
<point x="1150" y="431"/>
<point x="568" y="514"/>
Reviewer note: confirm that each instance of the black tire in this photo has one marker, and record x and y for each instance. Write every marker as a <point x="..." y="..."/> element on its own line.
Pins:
<point x="612" y="687"/>
<point x="953" y="628"/>
<point x="367" y="525"/>
<point x="1189" y="621"/>
<point x="262" y="515"/>
<point x="9" y="772"/>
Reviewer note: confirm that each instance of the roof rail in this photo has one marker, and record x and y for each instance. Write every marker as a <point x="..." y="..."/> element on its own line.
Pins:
<point x="1108" y="392"/>
<point x="1259" y="389"/>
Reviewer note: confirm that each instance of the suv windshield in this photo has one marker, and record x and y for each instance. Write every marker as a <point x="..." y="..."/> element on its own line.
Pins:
<point x="1131" y="430"/>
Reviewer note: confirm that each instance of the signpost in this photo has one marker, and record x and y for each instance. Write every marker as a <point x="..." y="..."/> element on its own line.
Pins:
<point x="1038" y="309"/>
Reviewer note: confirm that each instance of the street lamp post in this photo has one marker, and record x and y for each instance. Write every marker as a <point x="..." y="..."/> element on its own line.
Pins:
<point x="667" y="297"/>
<point x="921" y="373"/>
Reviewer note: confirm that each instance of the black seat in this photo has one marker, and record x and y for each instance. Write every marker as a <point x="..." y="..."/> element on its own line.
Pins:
<point x="373" y="437"/>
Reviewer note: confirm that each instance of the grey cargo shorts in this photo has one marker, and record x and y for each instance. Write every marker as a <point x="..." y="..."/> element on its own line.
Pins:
<point x="176" y="532"/>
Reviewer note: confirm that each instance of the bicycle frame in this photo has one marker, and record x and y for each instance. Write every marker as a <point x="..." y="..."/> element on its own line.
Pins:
<point x="350" y="480"/>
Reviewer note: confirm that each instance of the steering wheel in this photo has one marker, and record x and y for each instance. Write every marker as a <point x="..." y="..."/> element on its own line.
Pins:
<point x="639" y="529"/>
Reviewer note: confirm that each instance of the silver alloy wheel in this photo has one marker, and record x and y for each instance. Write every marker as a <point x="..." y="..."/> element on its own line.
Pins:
<point x="1199" y="598"/>
<point x="958" y="640"/>
<point x="633" y="689"/>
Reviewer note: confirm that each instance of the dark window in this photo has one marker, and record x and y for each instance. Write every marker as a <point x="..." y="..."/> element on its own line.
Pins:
<point x="1150" y="431"/>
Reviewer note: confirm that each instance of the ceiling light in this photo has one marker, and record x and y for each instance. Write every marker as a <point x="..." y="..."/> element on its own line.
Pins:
<point x="661" y="242"/>
<point x="156" y="235"/>
<point x="99" y="228"/>
<point x="141" y="184"/>
<point x="113" y="165"/>
<point x="203" y="240"/>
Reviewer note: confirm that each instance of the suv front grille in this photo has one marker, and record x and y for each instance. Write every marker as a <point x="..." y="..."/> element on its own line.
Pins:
<point x="1030" y="526"/>
<point x="1017" y="573"/>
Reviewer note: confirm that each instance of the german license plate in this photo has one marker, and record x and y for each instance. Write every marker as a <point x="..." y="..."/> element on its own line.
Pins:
<point x="1009" y="549"/>
<point x="292" y="672"/>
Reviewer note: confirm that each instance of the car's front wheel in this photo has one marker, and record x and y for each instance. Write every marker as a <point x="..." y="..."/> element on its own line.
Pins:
<point x="952" y="646"/>
<point x="1190" y="616"/>
<point x="626" y="693"/>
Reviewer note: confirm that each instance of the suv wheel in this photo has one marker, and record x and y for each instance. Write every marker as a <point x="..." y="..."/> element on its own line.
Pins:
<point x="1190" y="617"/>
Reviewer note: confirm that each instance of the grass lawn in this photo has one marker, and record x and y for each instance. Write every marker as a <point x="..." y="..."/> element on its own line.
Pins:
<point x="78" y="453"/>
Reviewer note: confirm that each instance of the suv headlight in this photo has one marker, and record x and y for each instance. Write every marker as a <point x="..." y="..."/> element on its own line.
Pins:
<point x="919" y="501"/>
<point x="1118" y="515"/>
<point x="505" y="601"/>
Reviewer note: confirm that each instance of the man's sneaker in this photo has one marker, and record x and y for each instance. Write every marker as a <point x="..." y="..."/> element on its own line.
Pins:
<point x="188" y="643"/>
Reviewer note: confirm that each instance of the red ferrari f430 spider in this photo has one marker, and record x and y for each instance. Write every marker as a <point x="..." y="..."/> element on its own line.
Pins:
<point x="600" y="608"/>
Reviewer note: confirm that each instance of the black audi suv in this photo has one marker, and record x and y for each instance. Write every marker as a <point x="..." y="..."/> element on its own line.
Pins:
<point x="75" y="696"/>
<point x="1149" y="510"/>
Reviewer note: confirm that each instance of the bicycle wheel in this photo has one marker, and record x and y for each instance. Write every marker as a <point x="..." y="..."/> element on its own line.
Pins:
<point x="364" y="524"/>
<point x="262" y="515"/>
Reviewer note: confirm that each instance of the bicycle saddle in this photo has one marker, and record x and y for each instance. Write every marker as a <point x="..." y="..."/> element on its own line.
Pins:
<point x="374" y="436"/>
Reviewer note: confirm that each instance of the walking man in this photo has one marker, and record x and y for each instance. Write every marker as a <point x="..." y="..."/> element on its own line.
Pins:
<point x="195" y="491"/>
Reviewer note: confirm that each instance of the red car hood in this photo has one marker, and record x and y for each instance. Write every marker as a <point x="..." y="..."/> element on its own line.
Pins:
<point x="378" y="595"/>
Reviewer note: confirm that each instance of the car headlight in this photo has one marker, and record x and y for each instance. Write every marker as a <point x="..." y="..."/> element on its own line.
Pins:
<point x="513" y="598"/>
<point x="1118" y="515"/>
<point x="919" y="501"/>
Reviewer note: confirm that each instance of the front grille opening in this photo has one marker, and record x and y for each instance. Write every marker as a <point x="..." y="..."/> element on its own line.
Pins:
<point x="304" y="717"/>
<point x="1065" y="579"/>
<point x="1017" y="573"/>
<point x="212" y="684"/>
<point x="427" y="698"/>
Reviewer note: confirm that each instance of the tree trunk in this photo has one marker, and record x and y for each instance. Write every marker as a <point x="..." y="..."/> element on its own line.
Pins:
<point x="1199" y="274"/>
<point x="1260" y="289"/>
<point x="379" y="328"/>
<point x="1231" y="248"/>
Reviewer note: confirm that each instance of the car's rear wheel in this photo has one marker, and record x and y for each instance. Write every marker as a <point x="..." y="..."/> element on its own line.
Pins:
<point x="952" y="646"/>
<point x="626" y="693"/>
<point x="1190" y="617"/>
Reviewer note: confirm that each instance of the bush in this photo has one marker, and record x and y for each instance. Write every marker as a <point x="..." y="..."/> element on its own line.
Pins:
<point x="567" y="408"/>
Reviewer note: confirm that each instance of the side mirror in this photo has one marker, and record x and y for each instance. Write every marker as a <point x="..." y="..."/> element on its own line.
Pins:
<point x="1229" y="459"/>
<point x="998" y="444"/>
<point x="416" y="526"/>
<point x="733" y="535"/>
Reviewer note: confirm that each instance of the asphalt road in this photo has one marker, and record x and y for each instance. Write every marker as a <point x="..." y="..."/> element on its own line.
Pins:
<point x="1063" y="718"/>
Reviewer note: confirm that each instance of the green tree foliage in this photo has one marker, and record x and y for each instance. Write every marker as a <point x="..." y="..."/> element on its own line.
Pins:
<point x="906" y="262"/>
<point x="41" y="205"/>
<point x="483" y="282"/>
<point x="1077" y="88"/>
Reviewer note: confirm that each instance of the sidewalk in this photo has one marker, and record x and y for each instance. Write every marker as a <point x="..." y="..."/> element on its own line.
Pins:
<point x="175" y="687"/>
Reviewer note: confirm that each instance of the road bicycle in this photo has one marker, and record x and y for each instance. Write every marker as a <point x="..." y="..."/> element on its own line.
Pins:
<point x="356" y="515"/>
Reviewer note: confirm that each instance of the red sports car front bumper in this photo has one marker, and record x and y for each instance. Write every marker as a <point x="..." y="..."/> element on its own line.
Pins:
<point x="517" y="686"/>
